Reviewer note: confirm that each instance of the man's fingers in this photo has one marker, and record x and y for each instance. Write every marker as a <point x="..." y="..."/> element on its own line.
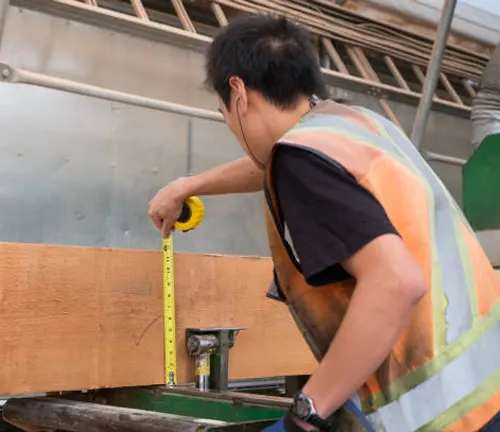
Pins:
<point x="157" y="221"/>
<point x="166" y="228"/>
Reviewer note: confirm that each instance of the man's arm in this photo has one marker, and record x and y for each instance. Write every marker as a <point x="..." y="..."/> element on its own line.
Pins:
<point x="239" y="176"/>
<point x="389" y="285"/>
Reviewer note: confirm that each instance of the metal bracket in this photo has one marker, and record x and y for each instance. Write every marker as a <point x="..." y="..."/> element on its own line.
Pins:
<point x="210" y="349"/>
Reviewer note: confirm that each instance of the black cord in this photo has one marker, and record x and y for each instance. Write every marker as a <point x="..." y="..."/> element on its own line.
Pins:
<point x="257" y="162"/>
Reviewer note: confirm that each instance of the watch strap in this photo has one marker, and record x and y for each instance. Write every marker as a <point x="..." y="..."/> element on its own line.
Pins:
<point x="313" y="419"/>
<point x="320" y="423"/>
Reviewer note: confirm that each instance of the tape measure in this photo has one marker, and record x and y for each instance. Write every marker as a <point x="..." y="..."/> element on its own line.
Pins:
<point x="191" y="216"/>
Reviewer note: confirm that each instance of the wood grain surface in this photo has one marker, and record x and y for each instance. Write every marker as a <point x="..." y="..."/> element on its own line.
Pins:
<point x="84" y="318"/>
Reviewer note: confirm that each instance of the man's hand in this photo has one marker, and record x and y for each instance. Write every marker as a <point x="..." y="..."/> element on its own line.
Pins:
<point x="239" y="176"/>
<point x="166" y="206"/>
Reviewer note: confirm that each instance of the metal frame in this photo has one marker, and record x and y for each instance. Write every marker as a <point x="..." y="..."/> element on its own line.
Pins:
<point x="449" y="160"/>
<point x="72" y="9"/>
<point x="367" y="78"/>
<point x="433" y="74"/>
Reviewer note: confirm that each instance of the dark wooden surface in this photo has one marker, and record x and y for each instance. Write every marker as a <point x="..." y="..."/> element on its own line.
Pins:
<point x="41" y="414"/>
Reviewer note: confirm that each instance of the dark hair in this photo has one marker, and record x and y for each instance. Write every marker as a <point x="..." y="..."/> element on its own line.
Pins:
<point x="271" y="55"/>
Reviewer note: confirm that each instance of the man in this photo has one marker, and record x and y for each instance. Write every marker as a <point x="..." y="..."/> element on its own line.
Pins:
<point x="375" y="260"/>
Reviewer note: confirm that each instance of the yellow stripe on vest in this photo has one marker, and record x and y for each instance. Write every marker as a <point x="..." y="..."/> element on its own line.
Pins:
<point x="450" y="382"/>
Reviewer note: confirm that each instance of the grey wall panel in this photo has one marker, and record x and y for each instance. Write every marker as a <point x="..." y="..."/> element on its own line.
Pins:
<point x="76" y="170"/>
<point x="450" y="136"/>
<point x="80" y="52"/>
<point x="53" y="166"/>
<point x="233" y="222"/>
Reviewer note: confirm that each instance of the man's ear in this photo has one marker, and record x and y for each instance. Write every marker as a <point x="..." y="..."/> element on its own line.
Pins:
<point x="239" y="97"/>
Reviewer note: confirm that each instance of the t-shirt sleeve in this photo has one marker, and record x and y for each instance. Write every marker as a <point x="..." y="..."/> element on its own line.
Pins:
<point x="329" y="215"/>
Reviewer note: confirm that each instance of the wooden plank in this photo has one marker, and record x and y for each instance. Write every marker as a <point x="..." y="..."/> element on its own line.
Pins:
<point x="35" y="414"/>
<point x="83" y="318"/>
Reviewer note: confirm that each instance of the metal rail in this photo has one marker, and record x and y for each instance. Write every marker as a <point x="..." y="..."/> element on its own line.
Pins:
<point x="433" y="74"/>
<point x="236" y="397"/>
<point x="20" y="76"/>
<point x="448" y="160"/>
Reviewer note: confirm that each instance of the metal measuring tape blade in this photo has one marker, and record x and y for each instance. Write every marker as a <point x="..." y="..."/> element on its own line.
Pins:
<point x="191" y="216"/>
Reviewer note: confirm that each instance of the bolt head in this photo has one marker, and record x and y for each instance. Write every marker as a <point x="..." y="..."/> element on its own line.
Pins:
<point x="193" y="344"/>
<point x="6" y="73"/>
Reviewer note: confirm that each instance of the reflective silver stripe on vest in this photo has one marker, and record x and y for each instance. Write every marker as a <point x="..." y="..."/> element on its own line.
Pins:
<point x="459" y="315"/>
<point x="453" y="277"/>
<point x="374" y="419"/>
<point x="439" y="393"/>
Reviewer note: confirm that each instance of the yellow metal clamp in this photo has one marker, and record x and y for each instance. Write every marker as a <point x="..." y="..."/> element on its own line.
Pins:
<point x="191" y="217"/>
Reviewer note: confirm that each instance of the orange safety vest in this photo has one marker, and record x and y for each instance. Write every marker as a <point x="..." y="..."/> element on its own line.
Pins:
<point x="443" y="374"/>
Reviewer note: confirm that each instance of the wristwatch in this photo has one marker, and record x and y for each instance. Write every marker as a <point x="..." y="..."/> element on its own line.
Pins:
<point x="303" y="409"/>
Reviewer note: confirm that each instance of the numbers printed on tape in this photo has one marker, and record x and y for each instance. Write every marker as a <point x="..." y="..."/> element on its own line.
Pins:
<point x="169" y="312"/>
<point x="197" y="212"/>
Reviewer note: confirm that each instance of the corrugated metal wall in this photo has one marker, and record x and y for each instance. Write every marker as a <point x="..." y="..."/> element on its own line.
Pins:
<point x="80" y="171"/>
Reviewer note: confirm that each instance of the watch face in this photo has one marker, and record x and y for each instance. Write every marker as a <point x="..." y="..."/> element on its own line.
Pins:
<point x="302" y="408"/>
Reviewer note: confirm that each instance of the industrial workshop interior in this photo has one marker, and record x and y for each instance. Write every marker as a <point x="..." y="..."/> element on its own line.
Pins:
<point x="104" y="102"/>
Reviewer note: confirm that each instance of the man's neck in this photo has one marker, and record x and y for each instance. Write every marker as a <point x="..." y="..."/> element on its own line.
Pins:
<point x="279" y="122"/>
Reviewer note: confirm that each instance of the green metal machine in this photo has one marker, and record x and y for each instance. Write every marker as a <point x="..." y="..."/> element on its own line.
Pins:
<point x="481" y="173"/>
<point x="481" y="181"/>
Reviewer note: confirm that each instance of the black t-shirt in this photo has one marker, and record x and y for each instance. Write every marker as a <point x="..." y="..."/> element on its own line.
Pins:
<point x="329" y="215"/>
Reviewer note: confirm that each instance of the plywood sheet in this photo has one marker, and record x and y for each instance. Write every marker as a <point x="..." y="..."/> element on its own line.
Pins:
<point x="84" y="318"/>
